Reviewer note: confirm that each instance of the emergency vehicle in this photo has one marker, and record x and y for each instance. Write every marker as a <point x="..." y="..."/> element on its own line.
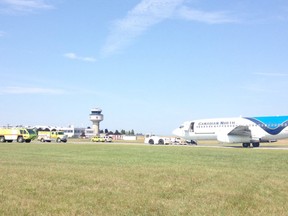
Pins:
<point x="48" y="136"/>
<point x="17" y="134"/>
<point x="98" y="139"/>
<point x="101" y="139"/>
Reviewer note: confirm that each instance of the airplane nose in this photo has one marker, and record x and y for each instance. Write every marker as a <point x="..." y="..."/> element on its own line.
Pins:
<point x="177" y="132"/>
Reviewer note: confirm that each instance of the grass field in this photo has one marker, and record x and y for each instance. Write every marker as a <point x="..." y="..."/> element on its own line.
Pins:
<point x="105" y="179"/>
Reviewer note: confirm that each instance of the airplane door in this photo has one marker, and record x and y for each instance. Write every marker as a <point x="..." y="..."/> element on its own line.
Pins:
<point x="192" y="127"/>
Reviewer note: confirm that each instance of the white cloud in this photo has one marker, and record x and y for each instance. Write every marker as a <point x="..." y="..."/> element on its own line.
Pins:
<point x="203" y="16"/>
<point x="29" y="90"/>
<point x="25" y="5"/>
<point x="272" y="74"/>
<point x="144" y="15"/>
<point x="2" y="34"/>
<point x="151" y="12"/>
<point x="258" y="88"/>
<point x="74" y="56"/>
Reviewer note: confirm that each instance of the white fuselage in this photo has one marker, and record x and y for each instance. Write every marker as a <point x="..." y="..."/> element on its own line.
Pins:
<point x="235" y="130"/>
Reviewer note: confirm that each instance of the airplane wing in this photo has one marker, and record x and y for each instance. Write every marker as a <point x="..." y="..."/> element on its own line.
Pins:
<point x="237" y="135"/>
<point x="240" y="131"/>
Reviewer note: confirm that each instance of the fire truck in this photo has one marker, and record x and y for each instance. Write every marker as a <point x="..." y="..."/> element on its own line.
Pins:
<point x="17" y="134"/>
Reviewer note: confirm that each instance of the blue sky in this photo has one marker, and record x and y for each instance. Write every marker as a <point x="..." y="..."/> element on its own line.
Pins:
<point x="149" y="64"/>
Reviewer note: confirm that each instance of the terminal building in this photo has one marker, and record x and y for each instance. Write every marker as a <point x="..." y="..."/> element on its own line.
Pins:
<point x="77" y="132"/>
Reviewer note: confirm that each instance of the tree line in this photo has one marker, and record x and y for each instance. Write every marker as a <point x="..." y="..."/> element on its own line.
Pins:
<point x="122" y="132"/>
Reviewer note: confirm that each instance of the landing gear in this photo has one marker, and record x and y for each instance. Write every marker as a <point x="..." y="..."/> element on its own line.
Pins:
<point x="247" y="145"/>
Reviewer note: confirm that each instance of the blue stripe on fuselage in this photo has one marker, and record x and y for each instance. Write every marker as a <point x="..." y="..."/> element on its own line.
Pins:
<point x="271" y="124"/>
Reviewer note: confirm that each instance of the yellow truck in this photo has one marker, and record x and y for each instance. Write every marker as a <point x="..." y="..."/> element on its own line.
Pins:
<point x="17" y="134"/>
<point x="98" y="139"/>
<point x="48" y="136"/>
<point x="101" y="139"/>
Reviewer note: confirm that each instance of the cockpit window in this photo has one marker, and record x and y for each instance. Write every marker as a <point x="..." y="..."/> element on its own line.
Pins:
<point x="182" y="126"/>
<point x="192" y="126"/>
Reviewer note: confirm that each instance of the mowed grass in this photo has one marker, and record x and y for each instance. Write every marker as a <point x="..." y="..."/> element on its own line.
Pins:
<point x="105" y="179"/>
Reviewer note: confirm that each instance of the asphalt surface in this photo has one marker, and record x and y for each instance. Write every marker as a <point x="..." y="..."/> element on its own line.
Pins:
<point x="270" y="147"/>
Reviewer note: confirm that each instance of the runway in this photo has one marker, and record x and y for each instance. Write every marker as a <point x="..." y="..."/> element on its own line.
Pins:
<point x="240" y="147"/>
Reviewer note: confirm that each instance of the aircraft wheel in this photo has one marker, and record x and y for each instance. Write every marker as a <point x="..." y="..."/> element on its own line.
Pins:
<point x="246" y="145"/>
<point x="161" y="142"/>
<point x="255" y="145"/>
<point x="151" y="141"/>
<point x="58" y="140"/>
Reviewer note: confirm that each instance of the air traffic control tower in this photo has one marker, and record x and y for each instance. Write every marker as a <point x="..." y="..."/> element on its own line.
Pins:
<point x="96" y="117"/>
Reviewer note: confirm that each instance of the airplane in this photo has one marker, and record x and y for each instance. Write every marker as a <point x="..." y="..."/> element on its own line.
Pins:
<point x="245" y="130"/>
